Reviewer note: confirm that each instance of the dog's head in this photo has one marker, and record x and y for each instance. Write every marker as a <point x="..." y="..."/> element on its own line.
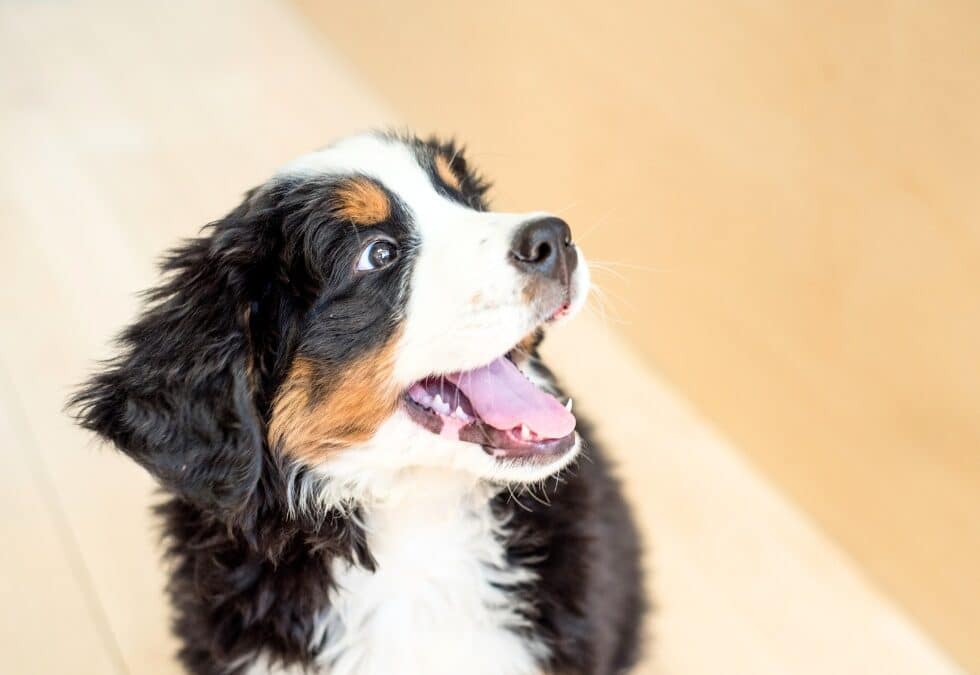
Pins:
<point x="359" y="314"/>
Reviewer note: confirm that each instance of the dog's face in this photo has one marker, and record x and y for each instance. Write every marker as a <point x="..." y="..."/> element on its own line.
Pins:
<point x="359" y="314"/>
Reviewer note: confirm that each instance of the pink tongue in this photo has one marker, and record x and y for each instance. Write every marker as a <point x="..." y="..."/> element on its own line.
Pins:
<point x="505" y="399"/>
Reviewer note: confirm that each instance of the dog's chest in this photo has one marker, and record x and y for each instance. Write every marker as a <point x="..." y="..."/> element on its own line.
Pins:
<point x="437" y="601"/>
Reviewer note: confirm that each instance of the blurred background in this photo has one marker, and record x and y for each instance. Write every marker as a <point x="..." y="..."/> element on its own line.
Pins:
<point x="780" y="203"/>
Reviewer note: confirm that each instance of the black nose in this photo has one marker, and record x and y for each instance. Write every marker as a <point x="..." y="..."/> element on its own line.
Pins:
<point x="544" y="247"/>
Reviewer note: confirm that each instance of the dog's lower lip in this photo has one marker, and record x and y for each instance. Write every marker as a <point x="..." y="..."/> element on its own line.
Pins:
<point x="542" y="451"/>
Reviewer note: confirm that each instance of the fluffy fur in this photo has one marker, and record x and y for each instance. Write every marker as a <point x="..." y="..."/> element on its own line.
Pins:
<point x="314" y="526"/>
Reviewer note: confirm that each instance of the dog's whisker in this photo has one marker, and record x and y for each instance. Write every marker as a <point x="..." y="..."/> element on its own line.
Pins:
<point x="609" y="264"/>
<point x="599" y="267"/>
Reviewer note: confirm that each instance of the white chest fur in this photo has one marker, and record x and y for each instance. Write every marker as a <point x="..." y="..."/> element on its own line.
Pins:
<point x="434" y="603"/>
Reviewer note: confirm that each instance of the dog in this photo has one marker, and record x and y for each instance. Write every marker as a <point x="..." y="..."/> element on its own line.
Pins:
<point x="368" y="467"/>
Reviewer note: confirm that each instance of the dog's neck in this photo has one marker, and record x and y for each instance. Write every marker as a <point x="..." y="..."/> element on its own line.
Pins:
<point x="441" y="571"/>
<point x="428" y="517"/>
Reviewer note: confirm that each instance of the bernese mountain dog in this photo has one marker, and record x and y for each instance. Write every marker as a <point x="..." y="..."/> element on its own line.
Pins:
<point x="368" y="467"/>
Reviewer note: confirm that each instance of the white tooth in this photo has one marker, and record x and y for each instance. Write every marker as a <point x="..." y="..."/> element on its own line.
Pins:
<point x="460" y="413"/>
<point x="568" y="404"/>
<point x="525" y="432"/>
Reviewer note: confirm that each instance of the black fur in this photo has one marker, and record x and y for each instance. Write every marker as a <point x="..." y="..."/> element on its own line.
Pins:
<point x="189" y="398"/>
<point x="577" y="534"/>
<point x="473" y="187"/>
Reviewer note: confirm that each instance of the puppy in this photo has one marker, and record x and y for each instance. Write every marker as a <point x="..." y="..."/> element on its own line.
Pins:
<point x="368" y="467"/>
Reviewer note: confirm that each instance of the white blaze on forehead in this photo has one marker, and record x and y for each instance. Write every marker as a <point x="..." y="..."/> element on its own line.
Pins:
<point x="388" y="160"/>
<point x="465" y="299"/>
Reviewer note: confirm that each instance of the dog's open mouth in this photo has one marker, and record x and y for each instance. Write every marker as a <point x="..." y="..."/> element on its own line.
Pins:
<point x="495" y="406"/>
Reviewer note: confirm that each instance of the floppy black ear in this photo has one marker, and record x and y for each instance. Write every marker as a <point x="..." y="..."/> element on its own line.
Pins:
<point x="180" y="397"/>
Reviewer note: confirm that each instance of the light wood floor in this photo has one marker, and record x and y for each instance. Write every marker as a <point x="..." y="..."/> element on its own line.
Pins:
<point x="126" y="125"/>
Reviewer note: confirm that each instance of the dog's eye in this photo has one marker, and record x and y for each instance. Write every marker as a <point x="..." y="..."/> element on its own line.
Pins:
<point x="377" y="255"/>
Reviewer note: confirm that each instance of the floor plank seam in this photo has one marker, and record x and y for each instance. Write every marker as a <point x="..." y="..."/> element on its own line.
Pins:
<point x="66" y="535"/>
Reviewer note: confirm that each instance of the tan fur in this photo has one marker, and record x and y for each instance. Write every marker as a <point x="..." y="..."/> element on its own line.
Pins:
<point x="362" y="202"/>
<point x="307" y="425"/>
<point x="446" y="173"/>
<point x="528" y="344"/>
<point x="533" y="289"/>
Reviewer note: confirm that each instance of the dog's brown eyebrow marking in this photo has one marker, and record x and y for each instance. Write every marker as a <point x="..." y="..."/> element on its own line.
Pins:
<point x="362" y="202"/>
<point x="313" y="415"/>
<point x="445" y="172"/>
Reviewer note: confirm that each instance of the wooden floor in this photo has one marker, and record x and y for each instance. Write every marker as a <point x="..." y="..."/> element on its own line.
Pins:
<point x="125" y="125"/>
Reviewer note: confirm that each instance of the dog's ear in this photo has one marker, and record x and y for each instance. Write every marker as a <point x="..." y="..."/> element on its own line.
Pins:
<point x="180" y="398"/>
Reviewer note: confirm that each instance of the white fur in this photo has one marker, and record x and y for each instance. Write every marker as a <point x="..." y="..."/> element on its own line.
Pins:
<point x="433" y="605"/>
